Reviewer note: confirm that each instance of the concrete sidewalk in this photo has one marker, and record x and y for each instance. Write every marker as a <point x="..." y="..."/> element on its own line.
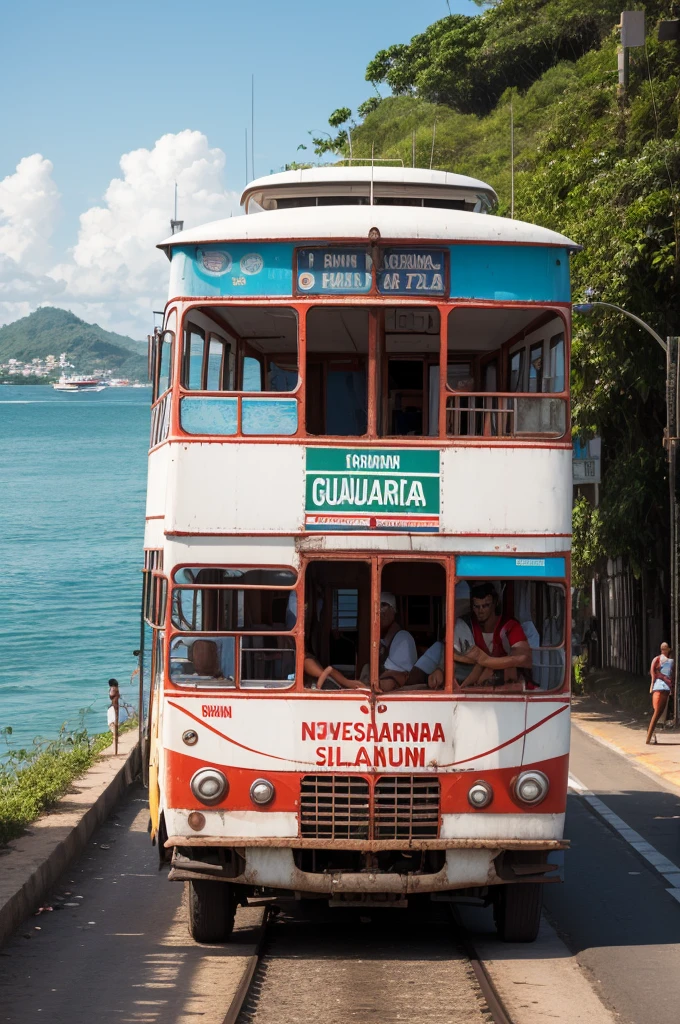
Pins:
<point x="625" y="732"/>
<point x="31" y="864"/>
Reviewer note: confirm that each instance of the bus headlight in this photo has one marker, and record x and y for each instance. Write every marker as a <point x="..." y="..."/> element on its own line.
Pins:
<point x="531" y="787"/>
<point x="261" y="791"/>
<point x="481" y="794"/>
<point x="209" y="785"/>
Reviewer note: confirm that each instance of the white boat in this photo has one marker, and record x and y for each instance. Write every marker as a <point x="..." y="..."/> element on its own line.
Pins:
<point x="78" y="384"/>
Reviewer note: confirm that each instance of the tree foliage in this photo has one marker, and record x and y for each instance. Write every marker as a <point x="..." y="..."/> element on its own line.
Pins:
<point x="603" y="171"/>
<point x="467" y="62"/>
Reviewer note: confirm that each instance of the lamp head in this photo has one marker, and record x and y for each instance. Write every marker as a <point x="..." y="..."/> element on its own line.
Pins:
<point x="585" y="308"/>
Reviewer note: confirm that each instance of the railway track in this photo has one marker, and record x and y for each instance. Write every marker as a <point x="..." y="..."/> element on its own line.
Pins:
<point x="321" y="966"/>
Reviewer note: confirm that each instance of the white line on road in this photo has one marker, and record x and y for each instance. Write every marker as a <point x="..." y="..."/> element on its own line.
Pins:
<point x="666" y="868"/>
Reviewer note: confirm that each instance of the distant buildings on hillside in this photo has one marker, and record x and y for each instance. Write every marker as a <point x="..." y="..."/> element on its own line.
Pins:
<point x="46" y="367"/>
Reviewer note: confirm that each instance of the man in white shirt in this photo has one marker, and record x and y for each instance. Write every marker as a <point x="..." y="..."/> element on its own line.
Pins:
<point x="398" y="651"/>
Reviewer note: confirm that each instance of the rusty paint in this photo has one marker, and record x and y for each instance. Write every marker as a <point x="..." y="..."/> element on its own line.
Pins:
<point x="372" y="845"/>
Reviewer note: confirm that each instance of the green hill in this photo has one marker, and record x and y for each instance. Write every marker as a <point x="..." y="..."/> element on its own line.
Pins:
<point x="51" y="331"/>
<point x="599" y="166"/>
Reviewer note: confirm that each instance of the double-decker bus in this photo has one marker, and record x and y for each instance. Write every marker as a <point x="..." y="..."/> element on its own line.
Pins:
<point x="357" y="549"/>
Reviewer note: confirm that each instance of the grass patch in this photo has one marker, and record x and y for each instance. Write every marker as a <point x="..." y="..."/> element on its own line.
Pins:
<point x="33" y="779"/>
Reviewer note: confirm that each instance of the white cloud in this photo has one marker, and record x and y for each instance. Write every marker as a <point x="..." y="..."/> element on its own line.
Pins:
<point x="29" y="204"/>
<point x="29" y="207"/>
<point x="115" y="272"/>
<point x="114" y="275"/>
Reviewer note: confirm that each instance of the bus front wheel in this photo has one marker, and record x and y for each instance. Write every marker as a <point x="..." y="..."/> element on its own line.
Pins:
<point x="212" y="907"/>
<point x="517" y="911"/>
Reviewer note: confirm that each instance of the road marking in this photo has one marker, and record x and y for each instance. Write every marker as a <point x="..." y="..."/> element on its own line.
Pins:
<point x="665" y="867"/>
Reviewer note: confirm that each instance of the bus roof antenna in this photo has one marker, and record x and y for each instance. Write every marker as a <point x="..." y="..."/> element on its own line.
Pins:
<point x="252" y="126"/>
<point x="176" y="225"/>
<point x="434" y="132"/>
<point x="372" y="169"/>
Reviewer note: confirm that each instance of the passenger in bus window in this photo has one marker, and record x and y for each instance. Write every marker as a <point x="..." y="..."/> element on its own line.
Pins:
<point x="206" y="659"/>
<point x="318" y="677"/>
<point x="398" y="652"/>
<point x="315" y="675"/>
<point x="500" y="643"/>
<point x="429" y="668"/>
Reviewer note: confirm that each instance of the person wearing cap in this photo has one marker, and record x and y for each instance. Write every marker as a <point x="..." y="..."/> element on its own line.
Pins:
<point x="398" y="652"/>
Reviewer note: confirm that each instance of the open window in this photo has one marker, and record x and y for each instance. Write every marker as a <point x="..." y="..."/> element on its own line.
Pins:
<point x="409" y="359"/>
<point x="240" y="348"/>
<point x="258" y="606"/>
<point x="337" y="371"/>
<point x="505" y="618"/>
<point x="337" y="619"/>
<point x="497" y="359"/>
<point x="412" y="635"/>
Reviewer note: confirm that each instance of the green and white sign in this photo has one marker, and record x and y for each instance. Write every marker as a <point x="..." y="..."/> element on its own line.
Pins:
<point x="379" y="489"/>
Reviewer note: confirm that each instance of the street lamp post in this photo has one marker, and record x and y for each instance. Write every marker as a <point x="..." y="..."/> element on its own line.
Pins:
<point x="671" y="348"/>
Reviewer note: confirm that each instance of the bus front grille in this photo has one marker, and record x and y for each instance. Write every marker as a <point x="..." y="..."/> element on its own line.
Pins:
<point x="344" y="807"/>
<point x="406" y="807"/>
<point x="334" y="807"/>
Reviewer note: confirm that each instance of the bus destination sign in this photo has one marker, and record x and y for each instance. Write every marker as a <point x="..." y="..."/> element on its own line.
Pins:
<point x="412" y="272"/>
<point x="334" y="271"/>
<point x="372" y="489"/>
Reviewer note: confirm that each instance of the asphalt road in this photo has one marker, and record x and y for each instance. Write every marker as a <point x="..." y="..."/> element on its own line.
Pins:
<point x="613" y="909"/>
<point x="115" y="946"/>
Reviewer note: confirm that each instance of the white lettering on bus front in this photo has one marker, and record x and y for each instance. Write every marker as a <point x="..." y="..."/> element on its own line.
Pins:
<point x="332" y="260"/>
<point x="343" y="279"/>
<point x="352" y="491"/>
<point x="372" y="461"/>
<point x="414" y="283"/>
<point x="410" y="261"/>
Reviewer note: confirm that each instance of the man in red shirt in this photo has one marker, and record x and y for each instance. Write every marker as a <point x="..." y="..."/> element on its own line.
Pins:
<point x="500" y="644"/>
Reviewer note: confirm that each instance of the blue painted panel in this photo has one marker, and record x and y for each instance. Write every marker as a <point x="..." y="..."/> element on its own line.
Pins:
<point x="493" y="567"/>
<point x="268" y="415"/>
<point x="519" y="273"/>
<point x="234" y="269"/>
<point x="514" y="273"/>
<point x="208" y="416"/>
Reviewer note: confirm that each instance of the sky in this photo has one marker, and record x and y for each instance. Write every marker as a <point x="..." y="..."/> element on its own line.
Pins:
<point x="106" y="105"/>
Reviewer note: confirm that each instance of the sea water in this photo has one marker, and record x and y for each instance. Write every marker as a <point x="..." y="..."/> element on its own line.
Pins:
<point x="72" y="490"/>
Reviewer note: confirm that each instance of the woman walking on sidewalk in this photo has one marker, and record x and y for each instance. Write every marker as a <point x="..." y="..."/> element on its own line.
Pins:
<point x="661" y="672"/>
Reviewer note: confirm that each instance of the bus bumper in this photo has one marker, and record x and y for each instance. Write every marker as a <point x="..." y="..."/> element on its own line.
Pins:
<point x="464" y="866"/>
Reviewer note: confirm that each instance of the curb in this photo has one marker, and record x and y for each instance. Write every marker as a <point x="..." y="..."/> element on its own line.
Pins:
<point x="40" y="876"/>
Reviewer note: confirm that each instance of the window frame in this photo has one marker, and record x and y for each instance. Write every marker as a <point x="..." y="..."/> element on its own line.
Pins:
<point x="377" y="372"/>
<point x="376" y="563"/>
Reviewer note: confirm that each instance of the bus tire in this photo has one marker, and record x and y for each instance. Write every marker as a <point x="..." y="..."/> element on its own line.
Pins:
<point x="517" y="911"/>
<point x="212" y="907"/>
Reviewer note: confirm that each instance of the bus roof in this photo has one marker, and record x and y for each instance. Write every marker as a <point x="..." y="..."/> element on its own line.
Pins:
<point x="395" y="223"/>
<point x="395" y="183"/>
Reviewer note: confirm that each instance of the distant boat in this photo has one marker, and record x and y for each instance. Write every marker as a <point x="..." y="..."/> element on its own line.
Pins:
<point x="119" y="382"/>
<point x="78" y="384"/>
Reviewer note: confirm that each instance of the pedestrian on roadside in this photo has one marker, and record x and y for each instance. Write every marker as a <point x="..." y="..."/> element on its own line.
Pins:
<point x="661" y="671"/>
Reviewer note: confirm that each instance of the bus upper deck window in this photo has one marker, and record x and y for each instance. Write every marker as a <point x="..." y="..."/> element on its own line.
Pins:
<point x="556" y="366"/>
<point x="250" y="349"/>
<point x="165" y="362"/>
<point x="409" y="343"/>
<point x="336" y="372"/>
<point x="536" y="367"/>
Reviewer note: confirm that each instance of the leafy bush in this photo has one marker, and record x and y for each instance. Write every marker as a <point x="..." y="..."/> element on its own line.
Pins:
<point x="33" y="779"/>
